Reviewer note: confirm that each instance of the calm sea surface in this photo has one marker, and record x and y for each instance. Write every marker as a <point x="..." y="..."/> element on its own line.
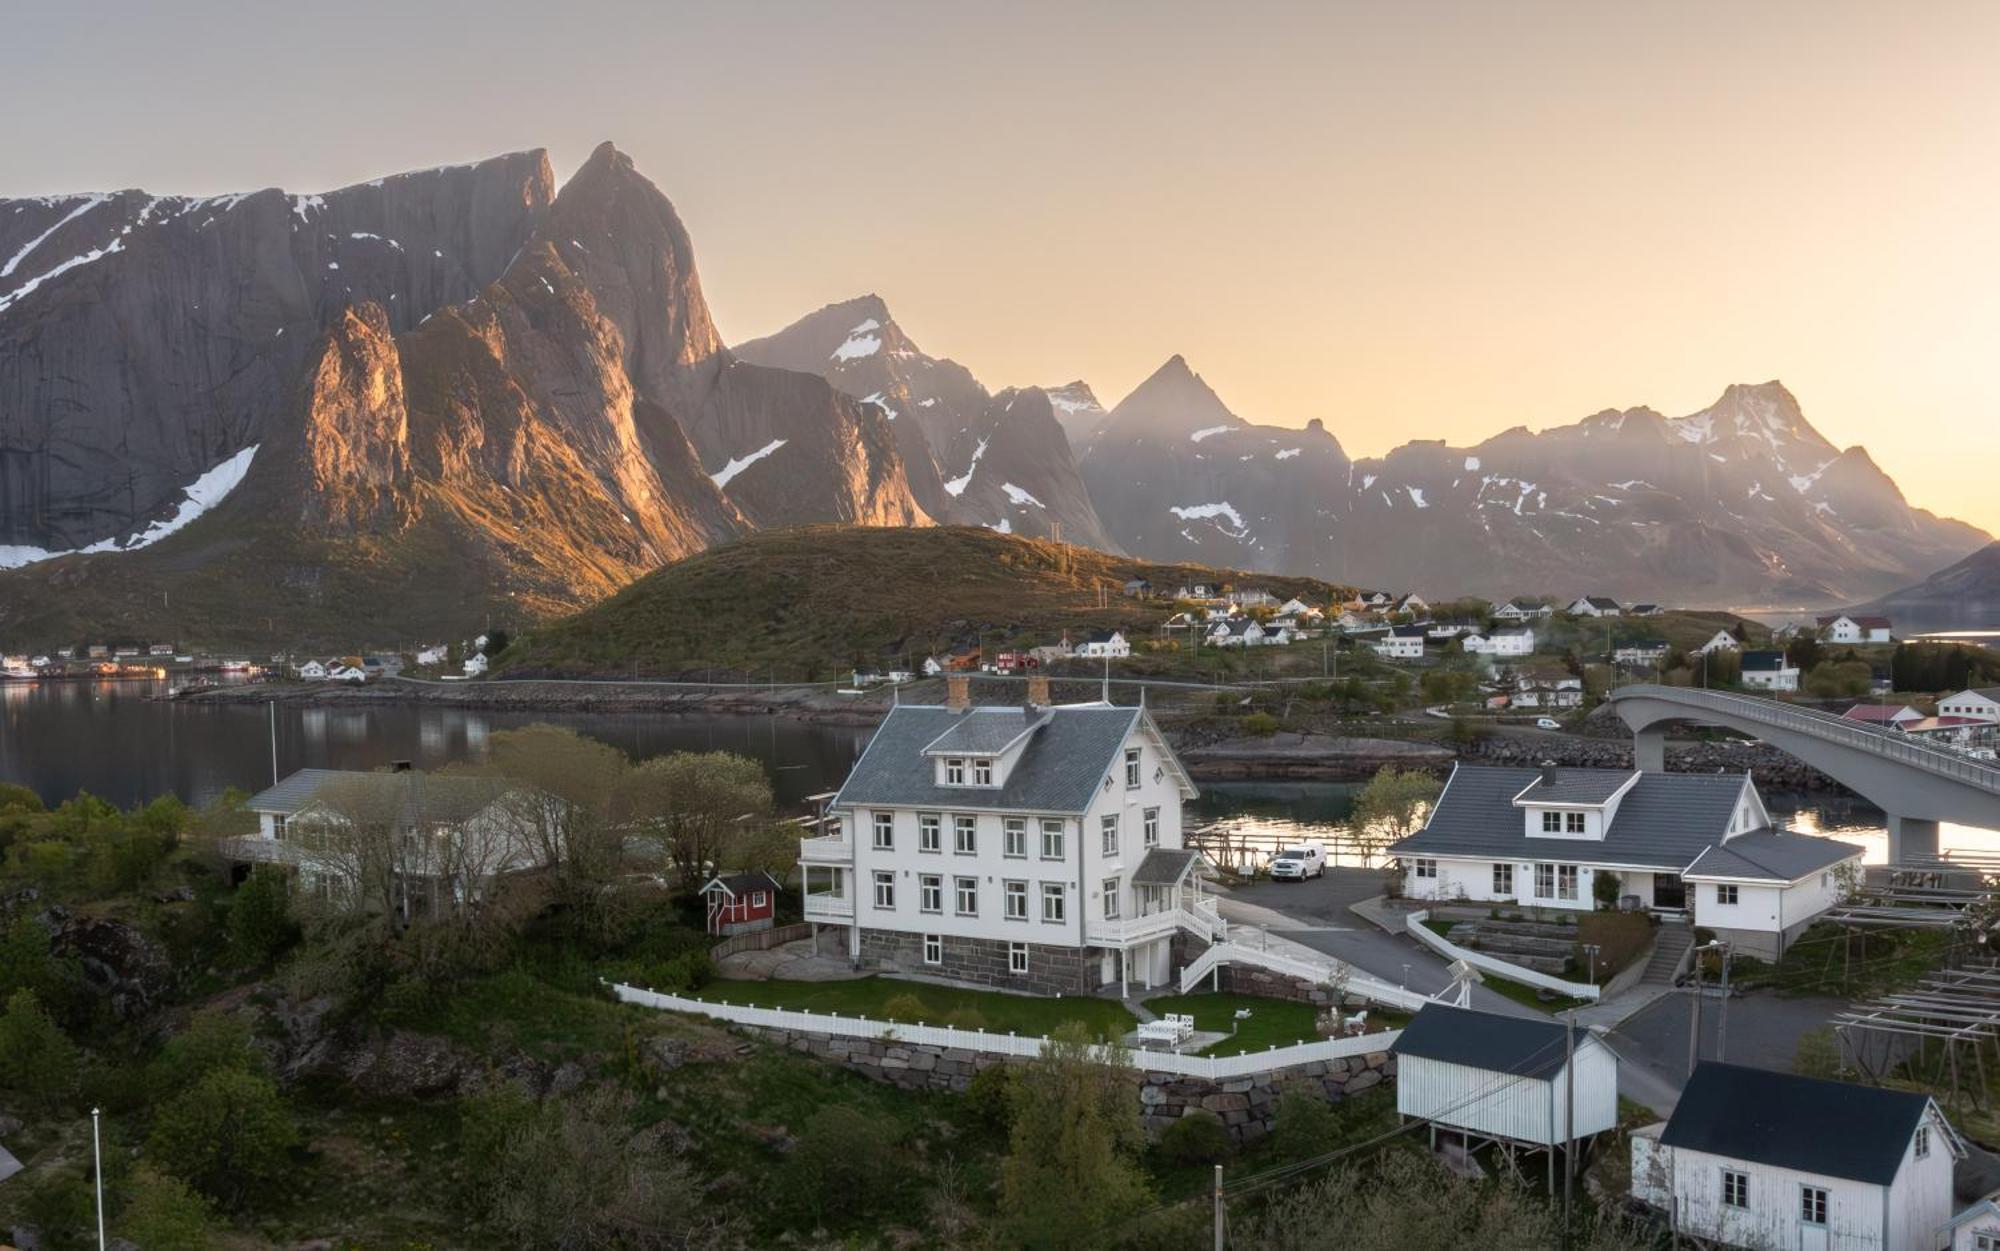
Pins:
<point x="110" y="739"/>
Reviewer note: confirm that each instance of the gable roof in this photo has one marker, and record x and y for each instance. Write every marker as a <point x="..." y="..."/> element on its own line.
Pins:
<point x="1600" y="601"/>
<point x="434" y="798"/>
<point x="1764" y="662"/>
<point x="1664" y="821"/>
<point x="739" y="883"/>
<point x="1575" y="786"/>
<point x="985" y="731"/>
<point x="1066" y="758"/>
<point x="1834" y="1129"/>
<point x="1771" y="855"/>
<point x="1513" y="1045"/>
<point x="1165" y="866"/>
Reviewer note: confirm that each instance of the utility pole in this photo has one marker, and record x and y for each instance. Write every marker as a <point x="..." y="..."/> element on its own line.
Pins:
<point x="1694" y="1017"/>
<point x="1219" y="1209"/>
<point x="274" y="742"/>
<point x="1722" y="1011"/>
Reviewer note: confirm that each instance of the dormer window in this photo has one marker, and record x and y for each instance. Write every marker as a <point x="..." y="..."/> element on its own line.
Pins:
<point x="954" y="772"/>
<point x="1552" y="823"/>
<point x="982" y="773"/>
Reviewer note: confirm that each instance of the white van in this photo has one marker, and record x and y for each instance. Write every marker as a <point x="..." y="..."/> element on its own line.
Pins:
<point x="1296" y="864"/>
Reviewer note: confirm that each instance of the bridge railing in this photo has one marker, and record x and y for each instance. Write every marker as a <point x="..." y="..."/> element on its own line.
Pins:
<point x="1892" y="744"/>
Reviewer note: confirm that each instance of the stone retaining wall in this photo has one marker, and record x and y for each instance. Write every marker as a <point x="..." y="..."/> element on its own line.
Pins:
<point x="982" y="962"/>
<point x="1247" y="1106"/>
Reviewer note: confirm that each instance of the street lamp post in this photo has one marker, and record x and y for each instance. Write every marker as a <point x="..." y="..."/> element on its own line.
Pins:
<point x="97" y="1167"/>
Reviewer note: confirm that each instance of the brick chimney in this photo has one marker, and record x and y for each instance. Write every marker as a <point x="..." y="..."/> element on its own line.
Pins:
<point x="958" y="691"/>
<point x="1038" y="689"/>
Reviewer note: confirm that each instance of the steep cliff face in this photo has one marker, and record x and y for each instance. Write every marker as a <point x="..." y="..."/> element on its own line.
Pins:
<point x="970" y="458"/>
<point x="145" y="339"/>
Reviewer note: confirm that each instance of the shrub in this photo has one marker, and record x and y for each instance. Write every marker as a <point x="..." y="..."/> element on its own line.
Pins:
<point x="1198" y="1137"/>
<point x="967" y="1017"/>
<point x="164" y="1215"/>
<point x="988" y="1097"/>
<point x="841" y="1162"/>
<point x="261" y="925"/>
<point x="1818" y="1053"/>
<point x="908" y="1009"/>
<point x="1605" y="887"/>
<point x="227" y="1135"/>
<point x="1260" y="724"/>
<point x="36" y="1057"/>
<point x="1305" y="1123"/>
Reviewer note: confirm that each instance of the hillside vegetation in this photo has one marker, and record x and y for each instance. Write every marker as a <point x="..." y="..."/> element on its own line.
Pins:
<point x="811" y="603"/>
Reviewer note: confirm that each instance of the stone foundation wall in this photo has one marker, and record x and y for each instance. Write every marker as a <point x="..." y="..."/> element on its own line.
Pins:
<point x="983" y="962"/>
<point x="1248" y="980"/>
<point x="1247" y="1106"/>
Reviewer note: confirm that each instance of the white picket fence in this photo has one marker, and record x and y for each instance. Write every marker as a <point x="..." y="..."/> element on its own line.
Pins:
<point x="1493" y="964"/>
<point x="1210" y="1068"/>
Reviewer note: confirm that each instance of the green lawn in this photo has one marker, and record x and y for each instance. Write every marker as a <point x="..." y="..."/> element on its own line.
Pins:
<point x="872" y="996"/>
<point x="1272" y="1022"/>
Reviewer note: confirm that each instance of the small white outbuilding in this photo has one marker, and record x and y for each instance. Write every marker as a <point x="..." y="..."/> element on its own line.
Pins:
<point x="1504" y="1078"/>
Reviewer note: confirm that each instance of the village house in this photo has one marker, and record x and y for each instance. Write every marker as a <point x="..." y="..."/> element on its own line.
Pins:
<point x="1403" y="642"/>
<point x="1104" y="644"/>
<point x="1370" y="601"/>
<point x="1504" y="1079"/>
<point x="1254" y="597"/>
<point x="1236" y="632"/>
<point x="1137" y="588"/>
<point x="1701" y="842"/>
<point x="1845" y="629"/>
<point x="1761" y="1158"/>
<point x="1977" y="1228"/>
<point x="741" y="903"/>
<point x="1522" y="610"/>
<point x="1503" y="643"/>
<point x="1594" y="606"/>
<point x="1884" y="716"/>
<point x="312" y="670"/>
<point x="1640" y="653"/>
<point x="1538" y="690"/>
<point x="1299" y="609"/>
<point x="440" y="839"/>
<point x="1981" y="704"/>
<point x="475" y="665"/>
<point x="433" y="654"/>
<point x="1770" y="671"/>
<point x="1720" y="641"/>
<point x="1195" y="591"/>
<point x="1645" y="610"/>
<point x="1034" y="847"/>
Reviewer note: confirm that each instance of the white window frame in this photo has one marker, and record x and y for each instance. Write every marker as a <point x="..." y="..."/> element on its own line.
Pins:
<point x="1017" y="957"/>
<point x="1812" y="1206"/>
<point x="1736" y="1182"/>
<point x="1111" y="898"/>
<point x="1107" y="833"/>
<point x="964" y="835"/>
<point x="934" y="949"/>
<point x="1053" y="836"/>
<point x="1015" y="892"/>
<point x="1552" y="821"/>
<point x="1568" y="881"/>
<point x="1574" y="823"/>
<point x="1150" y="829"/>
<point x="1545" y="879"/>
<point x="930" y="893"/>
<point x="885" y="831"/>
<point x="965" y="896"/>
<point x="1055" y="903"/>
<point x="982" y="772"/>
<point x="930" y="832"/>
<point x="1503" y="878"/>
<point x="1727" y="895"/>
<point x="757" y="898"/>
<point x="954" y="771"/>
<point x="1923" y="1148"/>
<point x="885" y="890"/>
<point x="1133" y="765"/>
<point x="1014" y="838"/>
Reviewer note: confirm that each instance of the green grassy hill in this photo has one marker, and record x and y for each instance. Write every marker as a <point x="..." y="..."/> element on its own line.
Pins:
<point x="813" y="602"/>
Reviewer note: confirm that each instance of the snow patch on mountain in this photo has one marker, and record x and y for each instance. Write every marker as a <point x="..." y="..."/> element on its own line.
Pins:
<point x="728" y="472"/>
<point x="1019" y="496"/>
<point x="1287" y="453"/>
<point x="956" y="486"/>
<point x="1472" y="464"/>
<point x="1203" y="433"/>
<point x="861" y="341"/>
<point x="1210" y="512"/>
<point x="1417" y="496"/>
<point x="877" y="400"/>
<point x="204" y="493"/>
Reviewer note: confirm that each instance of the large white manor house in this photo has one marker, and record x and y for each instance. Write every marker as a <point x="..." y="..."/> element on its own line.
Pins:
<point x="1035" y="847"/>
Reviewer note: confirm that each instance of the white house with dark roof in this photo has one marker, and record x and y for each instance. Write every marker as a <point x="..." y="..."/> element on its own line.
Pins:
<point x="1759" y="1158"/>
<point x="1503" y="1078"/>
<point x="1770" y="671"/>
<point x="1522" y="610"/>
<point x="1976" y="1228"/>
<point x="1035" y="847"/>
<point x="1513" y="643"/>
<point x="1105" y="643"/>
<point x="1720" y="641"/>
<point x="1595" y="606"/>
<point x="1843" y="628"/>
<point x="1403" y="642"/>
<point x="1696" y="841"/>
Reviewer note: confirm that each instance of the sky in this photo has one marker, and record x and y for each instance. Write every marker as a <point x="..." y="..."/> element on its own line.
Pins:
<point x="1410" y="220"/>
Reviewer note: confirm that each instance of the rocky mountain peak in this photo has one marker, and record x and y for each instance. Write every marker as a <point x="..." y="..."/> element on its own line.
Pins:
<point x="1173" y="402"/>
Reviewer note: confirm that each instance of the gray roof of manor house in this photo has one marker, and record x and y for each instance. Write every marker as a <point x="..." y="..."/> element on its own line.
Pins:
<point x="1577" y="786"/>
<point x="1834" y="1129"/>
<point x="1664" y="821"/>
<point x="1512" y="1045"/>
<point x="1774" y="855"/>
<point x="1164" y="867"/>
<point x="987" y="733"/>
<point x="418" y="795"/>
<point x="1058" y="770"/>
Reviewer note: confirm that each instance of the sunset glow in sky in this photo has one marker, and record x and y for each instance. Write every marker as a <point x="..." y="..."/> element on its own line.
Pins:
<point x="1415" y="220"/>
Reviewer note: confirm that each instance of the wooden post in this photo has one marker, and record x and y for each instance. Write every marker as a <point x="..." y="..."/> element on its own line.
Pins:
<point x="1220" y="1211"/>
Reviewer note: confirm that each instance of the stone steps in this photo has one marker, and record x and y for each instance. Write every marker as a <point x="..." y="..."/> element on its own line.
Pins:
<point x="1673" y="941"/>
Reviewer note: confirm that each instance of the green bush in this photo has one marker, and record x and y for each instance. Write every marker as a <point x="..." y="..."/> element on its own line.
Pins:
<point x="841" y="1163"/>
<point x="164" y="1215"/>
<point x="261" y="924"/>
<point x="1305" y="1124"/>
<point x="908" y="1009"/>
<point x="988" y="1097"/>
<point x="227" y="1135"/>
<point x="966" y="1017"/>
<point x="1260" y="724"/>
<point x="1198" y="1137"/>
<point x="36" y="1057"/>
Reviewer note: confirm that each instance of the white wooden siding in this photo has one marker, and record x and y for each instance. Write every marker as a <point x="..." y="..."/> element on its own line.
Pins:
<point x="1503" y="1106"/>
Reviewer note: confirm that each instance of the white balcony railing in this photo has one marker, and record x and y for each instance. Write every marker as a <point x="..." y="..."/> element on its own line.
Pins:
<point x="827" y="849"/>
<point x="829" y="908"/>
<point x="1201" y="919"/>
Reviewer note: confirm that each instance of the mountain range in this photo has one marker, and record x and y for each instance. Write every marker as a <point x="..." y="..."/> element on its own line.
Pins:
<point x="465" y="393"/>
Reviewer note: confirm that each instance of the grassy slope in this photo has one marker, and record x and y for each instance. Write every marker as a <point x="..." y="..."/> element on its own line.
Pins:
<point x="823" y="598"/>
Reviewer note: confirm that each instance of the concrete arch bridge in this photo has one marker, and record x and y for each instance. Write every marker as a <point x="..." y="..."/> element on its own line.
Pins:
<point x="1916" y="783"/>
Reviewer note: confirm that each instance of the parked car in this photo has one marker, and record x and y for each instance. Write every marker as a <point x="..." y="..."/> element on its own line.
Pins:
<point x="1547" y="723"/>
<point x="1296" y="864"/>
